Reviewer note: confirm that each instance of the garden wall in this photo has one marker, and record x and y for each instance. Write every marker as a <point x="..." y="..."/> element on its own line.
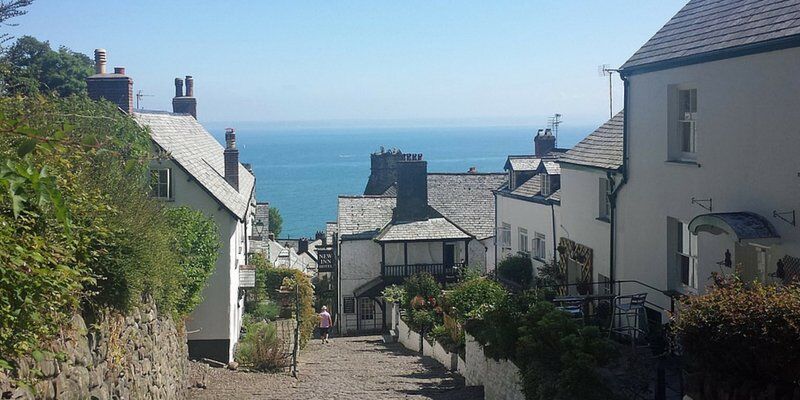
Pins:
<point x="500" y="379"/>
<point x="137" y="356"/>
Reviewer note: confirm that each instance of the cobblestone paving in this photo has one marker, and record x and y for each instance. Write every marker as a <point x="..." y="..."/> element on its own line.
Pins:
<point x="345" y="368"/>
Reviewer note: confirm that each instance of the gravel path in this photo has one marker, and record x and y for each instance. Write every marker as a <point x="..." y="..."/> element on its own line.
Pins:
<point x="346" y="368"/>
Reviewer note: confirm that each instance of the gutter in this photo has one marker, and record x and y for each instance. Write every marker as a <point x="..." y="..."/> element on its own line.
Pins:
<point x="496" y="261"/>
<point x="617" y="187"/>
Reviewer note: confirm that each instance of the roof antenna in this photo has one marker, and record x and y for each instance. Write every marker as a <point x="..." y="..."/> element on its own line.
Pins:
<point x="139" y="96"/>
<point x="605" y="70"/>
<point x="554" y="122"/>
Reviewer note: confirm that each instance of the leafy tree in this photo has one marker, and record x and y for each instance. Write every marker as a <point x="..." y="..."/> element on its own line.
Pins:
<point x="275" y="221"/>
<point x="31" y="66"/>
<point x="518" y="269"/>
<point x="471" y="296"/>
<point x="197" y="243"/>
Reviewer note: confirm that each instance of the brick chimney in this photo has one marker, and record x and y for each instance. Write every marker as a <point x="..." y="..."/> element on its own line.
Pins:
<point x="231" y="154"/>
<point x="412" y="190"/>
<point x="116" y="88"/>
<point x="184" y="104"/>
<point x="544" y="142"/>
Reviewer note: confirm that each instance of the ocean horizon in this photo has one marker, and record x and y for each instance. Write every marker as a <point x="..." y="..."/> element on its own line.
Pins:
<point x="301" y="170"/>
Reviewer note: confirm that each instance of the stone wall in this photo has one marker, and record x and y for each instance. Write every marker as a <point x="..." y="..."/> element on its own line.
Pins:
<point x="500" y="379"/>
<point x="137" y="356"/>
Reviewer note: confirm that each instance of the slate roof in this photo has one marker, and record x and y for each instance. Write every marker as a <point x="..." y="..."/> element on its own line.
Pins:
<point x="466" y="199"/>
<point x="602" y="148"/>
<point x="430" y="229"/>
<point x="523" y="163"/>
<point x="196" y="151"/>
<point x="361" y="217"/>
<point x="531" y="189"/>
<point x="552" y="167"/>
<point x="702" y="27"/>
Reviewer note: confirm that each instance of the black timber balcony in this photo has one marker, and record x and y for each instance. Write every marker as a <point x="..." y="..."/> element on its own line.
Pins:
<point x="439" y="271"/>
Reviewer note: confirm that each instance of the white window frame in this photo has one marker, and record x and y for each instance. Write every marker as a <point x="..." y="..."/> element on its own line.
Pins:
<point x="604" y="201"/>
<point x="686" y="257"/>
<point x="161" y="183"/>
<point x="366" y="309"/>
<point x="546" y="185"/>
<point x="522" y="233"/>
<point x="683" y="117"/>
<point x="539" y="246"/>
<point x="504" y="234"/>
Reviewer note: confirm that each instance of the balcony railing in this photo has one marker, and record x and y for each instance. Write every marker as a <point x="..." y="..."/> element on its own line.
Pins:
<point x="437" y="270"/>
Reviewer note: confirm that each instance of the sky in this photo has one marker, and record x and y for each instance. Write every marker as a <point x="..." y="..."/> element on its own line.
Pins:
<point x="364" y="62"/>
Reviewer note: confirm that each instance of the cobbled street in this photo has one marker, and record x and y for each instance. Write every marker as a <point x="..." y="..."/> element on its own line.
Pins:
<point x="346" y="368"/>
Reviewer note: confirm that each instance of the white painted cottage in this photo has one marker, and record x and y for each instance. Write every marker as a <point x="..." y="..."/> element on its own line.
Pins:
<point x="433" y="222"/>
<point x="712" y="174"/>
<point x="196" y="171"/>
<point x="528" y="214"/>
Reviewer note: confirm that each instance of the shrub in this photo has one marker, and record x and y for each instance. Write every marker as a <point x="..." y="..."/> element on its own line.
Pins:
<point x="261" y="348"/>
<point x="394" y="294"/>
<point x="269" y="280"/>
<point x="422" y="320"/>
<point x="266" y="310"/>
<point x="473" y="295"/>
<point x="518" y="269"/>
<point x="739" y="333"/>
<point x="421" y="284"/>
<point x="197" y="243"/>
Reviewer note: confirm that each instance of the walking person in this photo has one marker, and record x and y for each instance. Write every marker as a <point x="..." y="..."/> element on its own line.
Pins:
<point x="325" y="324"/>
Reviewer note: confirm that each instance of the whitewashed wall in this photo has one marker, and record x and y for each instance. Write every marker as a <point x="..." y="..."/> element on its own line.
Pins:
<point x="534" y="217"/>
<point x="748" y="136"/>
<point x="580" y="196"/>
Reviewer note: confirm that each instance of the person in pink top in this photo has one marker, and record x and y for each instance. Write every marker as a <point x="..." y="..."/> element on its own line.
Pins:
<point x="325" y="324"/>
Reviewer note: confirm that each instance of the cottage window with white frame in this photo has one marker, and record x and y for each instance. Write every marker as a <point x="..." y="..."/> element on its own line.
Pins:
<point x="505" y="235"/>
<point x="685" y="255"/>
<point x="366" y="308"/>
<point x="539" y="246"/>
<point x="523" y="241"/>
<point x="161" y="183"/>
<point x="546" y="185"/>
<point x="604" y="200"/>
<point x="683" y="123"/>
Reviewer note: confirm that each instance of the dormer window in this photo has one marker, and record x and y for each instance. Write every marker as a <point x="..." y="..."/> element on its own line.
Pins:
<point x="546" y="185"/>
<point x="161" y="183"/>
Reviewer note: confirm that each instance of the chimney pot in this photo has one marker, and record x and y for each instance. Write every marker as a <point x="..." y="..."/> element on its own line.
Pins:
<point x="189" y="86"/>
<point x="100" y="61"/>
<point x="544" y="142"/>
<point x="119" y="70"/>
<point x="473" y="170"/>
<point x="178" y="87"/>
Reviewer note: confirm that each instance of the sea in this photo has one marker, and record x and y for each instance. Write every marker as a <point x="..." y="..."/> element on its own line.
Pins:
<point x="302" y="170"/>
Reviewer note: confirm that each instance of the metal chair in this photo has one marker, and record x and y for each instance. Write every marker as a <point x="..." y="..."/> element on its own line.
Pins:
<point x="627" y="309"/>
<point x="573" y="306"/>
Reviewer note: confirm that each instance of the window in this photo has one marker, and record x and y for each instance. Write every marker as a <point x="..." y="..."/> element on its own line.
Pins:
<point x="687" y="112"/>
<point x="161" y="183"/>
<point x="349" y="305"/>
<point x="686" y="255"/>
<point x="603" y="200"/>
<point x="366" y="308"/>
<point x="546" y="183"/>
<point x="539" y="250"/>
<point x="523" y="240"/>
<point x="505" y="235"/>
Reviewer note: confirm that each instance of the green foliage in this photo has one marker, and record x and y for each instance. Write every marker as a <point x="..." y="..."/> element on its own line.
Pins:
<point x="518" y="269"/>
<point x="197" y="243"/>
<point x="30" y="67"/>
<point x="275" y="221"/>
<point x="11" y="9"/>
<point x="740" y="332"/>
<point x="421" y="284"/>
<point x="269" y="281"/>
<point x="394" y="294"/>
<point x="559" y="357"/>
<point x="265" y="311"/>
<point x="422" y="320"/>
<point x="498" y="330"/>
<point x="471" y="297"/>
<point x="261" y="348"/>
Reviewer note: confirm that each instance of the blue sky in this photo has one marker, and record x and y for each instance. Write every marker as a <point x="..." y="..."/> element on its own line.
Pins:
<point x="476" y="62"/>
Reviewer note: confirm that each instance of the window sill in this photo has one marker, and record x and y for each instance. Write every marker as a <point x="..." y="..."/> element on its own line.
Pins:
<point x="604" y="219"/>
<point x="164" y="199"/>
<point x="692" y="163"/>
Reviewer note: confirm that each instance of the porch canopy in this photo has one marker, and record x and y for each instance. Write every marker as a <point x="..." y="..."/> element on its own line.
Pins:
<point x="372" y="289"/>
<point x="743" y="225"/>
<point x="433" y="229"/>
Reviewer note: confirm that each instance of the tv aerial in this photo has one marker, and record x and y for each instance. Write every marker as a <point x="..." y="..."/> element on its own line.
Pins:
<point x="606" y="70"/>
<point x="139" y="96"/>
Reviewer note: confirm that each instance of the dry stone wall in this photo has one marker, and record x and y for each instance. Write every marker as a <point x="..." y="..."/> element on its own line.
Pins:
<point x="140" y="355"/>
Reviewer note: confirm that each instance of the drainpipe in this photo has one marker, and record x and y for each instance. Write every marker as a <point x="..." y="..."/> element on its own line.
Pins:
<point x="555" y="244"/>
<point x="495" y="232"/>
<point x="617" y="187"/>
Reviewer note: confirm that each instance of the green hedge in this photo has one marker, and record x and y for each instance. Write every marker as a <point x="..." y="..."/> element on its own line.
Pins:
<point x="517" y="269"/>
